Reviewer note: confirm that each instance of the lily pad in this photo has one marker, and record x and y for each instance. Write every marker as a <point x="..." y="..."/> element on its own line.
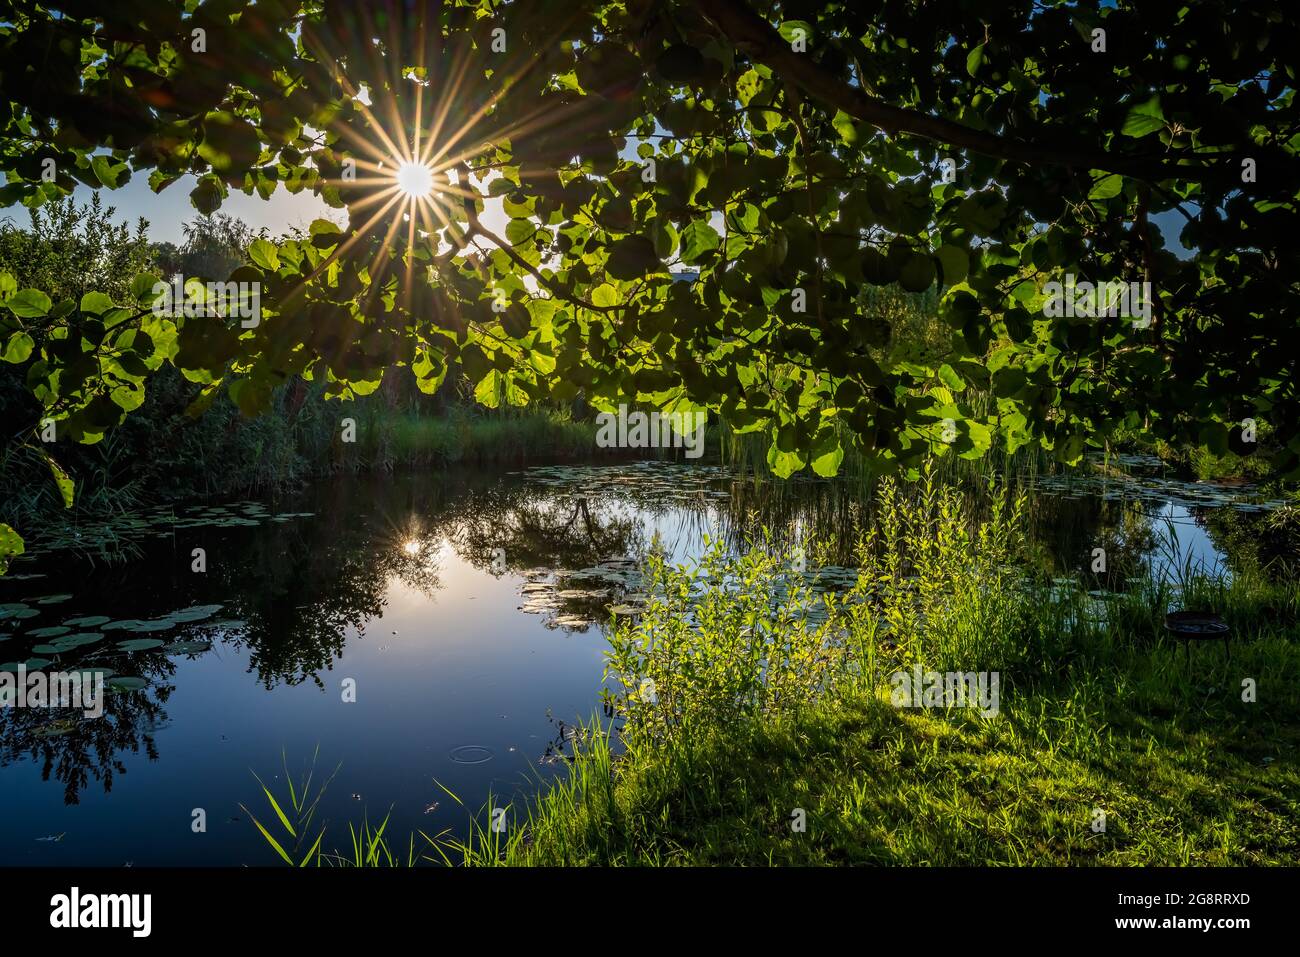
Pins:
<point x="81" y="638"/>
<point x="88" y="621"/>
<point x="50" y="649"/>
<point x="140" y="644"/>
<point x="195" y="647"/>
<point x="51" y="599"/>
<point x="156" y="624"/>
<point x="17" y="613"/>
<point x="126" y="683"/>
<point x="122" y="624"/>
<point x="195" y="613"/>
<point x="89" y="673"/>
<point x="50" y="632"/>
<point x="55" y="729"/>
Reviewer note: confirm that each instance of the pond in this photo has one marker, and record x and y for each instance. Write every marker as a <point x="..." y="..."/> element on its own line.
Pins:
<point x="463" y="613"/>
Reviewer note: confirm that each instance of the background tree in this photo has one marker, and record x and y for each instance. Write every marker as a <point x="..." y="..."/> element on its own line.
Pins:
<point x="214" y="246"/>
<point x="69" y="250"/>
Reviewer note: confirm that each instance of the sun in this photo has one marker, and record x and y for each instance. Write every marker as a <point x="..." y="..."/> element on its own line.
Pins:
<point x="415" y="180"/>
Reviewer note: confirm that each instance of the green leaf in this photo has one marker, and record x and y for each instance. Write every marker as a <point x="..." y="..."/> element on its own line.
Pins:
<point x="848" y="127"/>
<point x="429" y="371"/>
<point x="697" y="240"/>
<point x="918" y="273"/>
<point x="632" y="257"/>
<point x="828" y="463"/>
<point x="111" y="173"/>
<point x="1070" y="449"/>
<point x="96" y="303"/>
<point x="605" y="295"/>
<point x="18" y="348"/>
<point x="520" y="230"/>
<point x="323" y="227"/>
<point x="783" y="464"/>
<point x="975" y="59"/>
<point x="488" y="392"/>
<point x="61" y="478"/>
<point x="793" y="30"/>
<point x="955" y="263"/>
<point x="1107" y="187"/>
<point x="270" y="840"/>
<point x="1144" y="118"/>
<point x="142" y="286"/>
<point x="11" y="544"/>
<point x="230" y="143"/>
<point x="29" y="304"/>
<point x="949" y="377"/>
<point x="312" y="851"/>
<point x="264" y="254"/>
<point x="207" y="196"/>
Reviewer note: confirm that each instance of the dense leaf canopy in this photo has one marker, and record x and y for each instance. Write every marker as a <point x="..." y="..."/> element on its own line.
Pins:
<point x="791" y="154"/>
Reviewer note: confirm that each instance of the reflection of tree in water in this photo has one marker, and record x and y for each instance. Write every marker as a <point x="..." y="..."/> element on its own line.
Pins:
<point x="75" y="750"/>
<point x="1064" y="531"/>
<point x="1264" y="541"/>
<point x="298" y="591"/>
<point x="790" y="514"/>
<point x="302" y="590"/>
<point x="538" y="530"/>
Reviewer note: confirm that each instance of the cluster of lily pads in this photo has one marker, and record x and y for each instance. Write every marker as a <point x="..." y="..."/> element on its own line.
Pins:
<point x="1140" y="484"/>
<point x="573" y="599"/>
<point x="159" y="522"/>
<point x="654" y="481"/>
<point x="105" y="636"/>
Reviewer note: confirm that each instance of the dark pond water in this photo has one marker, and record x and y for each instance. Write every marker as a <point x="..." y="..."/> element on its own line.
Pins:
<point x="466" y="610"/>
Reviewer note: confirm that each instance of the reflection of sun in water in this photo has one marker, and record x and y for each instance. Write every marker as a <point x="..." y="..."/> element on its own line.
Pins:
<point x="415" y="180"/>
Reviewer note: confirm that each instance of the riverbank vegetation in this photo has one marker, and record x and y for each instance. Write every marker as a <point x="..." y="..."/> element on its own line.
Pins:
<point x="773" y="740"/>
<point x="758" y="717"/>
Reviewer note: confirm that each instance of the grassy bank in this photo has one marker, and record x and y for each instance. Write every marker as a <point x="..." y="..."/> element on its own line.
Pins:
<point x="1179" y="784"/>
<point x="1098" y="713"/>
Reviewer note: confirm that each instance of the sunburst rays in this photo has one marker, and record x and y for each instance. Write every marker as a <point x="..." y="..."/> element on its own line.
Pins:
<point x="408" y="156"/>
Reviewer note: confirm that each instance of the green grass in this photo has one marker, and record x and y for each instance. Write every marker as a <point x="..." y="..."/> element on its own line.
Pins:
<point x="496" y="439"/>
<point x="1183" y="778"/>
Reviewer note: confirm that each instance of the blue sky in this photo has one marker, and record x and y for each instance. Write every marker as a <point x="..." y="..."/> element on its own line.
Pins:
<point x="168" y="210"/>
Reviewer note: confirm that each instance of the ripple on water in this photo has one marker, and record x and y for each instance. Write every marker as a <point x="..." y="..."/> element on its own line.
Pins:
<point x="471" y="754"/>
